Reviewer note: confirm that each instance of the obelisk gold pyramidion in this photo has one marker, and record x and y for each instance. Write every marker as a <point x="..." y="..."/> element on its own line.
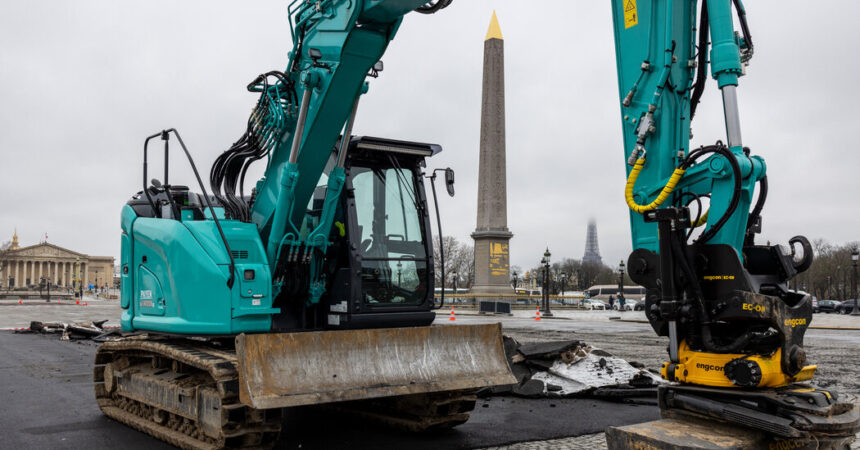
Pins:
<point x="492" y="270"/>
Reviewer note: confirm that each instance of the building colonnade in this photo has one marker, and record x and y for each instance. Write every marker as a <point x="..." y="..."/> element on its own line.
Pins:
<point x="29" y="272"/>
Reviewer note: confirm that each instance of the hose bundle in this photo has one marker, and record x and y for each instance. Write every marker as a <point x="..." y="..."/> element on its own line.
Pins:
<point x="432" y="7"/>
<point x="677" y="174"/>
<point x="265" y="126"/>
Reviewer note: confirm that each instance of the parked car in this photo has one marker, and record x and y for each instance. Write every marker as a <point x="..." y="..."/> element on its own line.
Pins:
<point x="828" y="306"/>
<point x="629" y="304"/>
<point x="846" y="307"/>
<point x="595" y="304"/>
<point x="640" y="305"/>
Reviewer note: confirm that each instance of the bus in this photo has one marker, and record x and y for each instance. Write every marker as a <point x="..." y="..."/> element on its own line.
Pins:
<point x="448" y="291"/>
<point x="603" y="291"/>
<point x="521" y="291"/>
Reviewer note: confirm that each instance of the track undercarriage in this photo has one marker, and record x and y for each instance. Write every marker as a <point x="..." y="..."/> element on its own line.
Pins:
<point x="186" y="392"/>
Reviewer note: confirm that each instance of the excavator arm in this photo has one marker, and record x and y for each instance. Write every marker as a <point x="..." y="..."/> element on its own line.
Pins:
<point x="722" y="301"/>
<point x="662" y="71"/>
<point x="303" y="112"/>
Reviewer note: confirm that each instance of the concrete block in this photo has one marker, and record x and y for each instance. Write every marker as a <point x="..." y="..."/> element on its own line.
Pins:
<point x="688" y="434"/>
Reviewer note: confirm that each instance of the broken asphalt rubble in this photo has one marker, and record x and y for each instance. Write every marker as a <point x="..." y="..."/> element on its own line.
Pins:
<point x="77" y="331"/>
<point x="574" y="369"/>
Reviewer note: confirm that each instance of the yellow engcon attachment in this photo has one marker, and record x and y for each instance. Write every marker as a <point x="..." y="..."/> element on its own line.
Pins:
<point x="706" y="369"/>
<point x="292" y="369"/>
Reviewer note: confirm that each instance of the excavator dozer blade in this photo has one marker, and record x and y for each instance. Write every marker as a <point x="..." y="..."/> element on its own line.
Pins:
<point x="292" y="369"/>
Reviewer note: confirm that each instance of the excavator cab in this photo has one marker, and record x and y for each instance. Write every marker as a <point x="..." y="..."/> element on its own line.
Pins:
<point x="377" y="272"/>
<point x="381" y="266"/>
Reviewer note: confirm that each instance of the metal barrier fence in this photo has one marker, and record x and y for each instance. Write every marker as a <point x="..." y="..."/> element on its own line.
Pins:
<point x="518" y="301"/>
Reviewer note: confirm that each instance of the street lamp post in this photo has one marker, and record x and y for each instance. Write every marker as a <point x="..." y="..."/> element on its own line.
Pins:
<point x="855" y="255"/>
<point x="80" y="281"/>
<point x="563" y="279"/>
<point x="621" y="298"/>
<point x="542" y="283"/>
<point x="399" y="270"/>
<point x="545" y="261"/>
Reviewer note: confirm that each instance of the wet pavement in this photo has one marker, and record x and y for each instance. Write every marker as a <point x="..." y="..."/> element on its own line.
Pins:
<point x="15" y="315"/>
<point x="49" y="403"/>
<point x="48" y="398"/>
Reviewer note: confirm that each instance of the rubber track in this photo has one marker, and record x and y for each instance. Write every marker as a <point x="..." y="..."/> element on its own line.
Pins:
<point x="253" y="432"/>
<point x="414" y="413"/>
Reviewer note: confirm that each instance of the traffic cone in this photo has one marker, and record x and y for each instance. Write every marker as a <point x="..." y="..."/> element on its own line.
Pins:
<point x="453" y="316"/>
<point x="537" y="314"/>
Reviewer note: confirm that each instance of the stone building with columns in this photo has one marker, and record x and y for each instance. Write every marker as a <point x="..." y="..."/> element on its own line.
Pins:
<point x="23" y="267"/>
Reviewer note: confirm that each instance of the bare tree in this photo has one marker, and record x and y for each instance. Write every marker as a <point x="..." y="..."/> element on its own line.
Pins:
<point x="829" y="277"/>
<point x="459" y="263"/>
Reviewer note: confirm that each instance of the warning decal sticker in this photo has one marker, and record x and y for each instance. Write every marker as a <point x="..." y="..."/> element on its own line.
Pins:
<point x="631" y="18"/>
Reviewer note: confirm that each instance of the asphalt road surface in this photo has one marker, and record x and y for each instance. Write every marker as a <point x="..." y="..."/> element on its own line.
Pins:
<point x="48" y="402"/>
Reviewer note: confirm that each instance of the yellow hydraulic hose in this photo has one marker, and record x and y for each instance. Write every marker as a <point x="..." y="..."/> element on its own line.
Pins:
<point x="664" y="194"/>
<point x="702" y="220"/>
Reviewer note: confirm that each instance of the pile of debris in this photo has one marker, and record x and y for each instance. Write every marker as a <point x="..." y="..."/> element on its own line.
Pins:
<point x="95" y="331"/>
<point x="574" y="369"/>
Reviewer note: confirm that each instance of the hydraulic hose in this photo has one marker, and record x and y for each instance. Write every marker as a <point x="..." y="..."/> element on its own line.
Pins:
<point x="433" y="6"/>
<point x="756" y="212"/>
<point x="700" y="218"/>
<point x="702" y="64"/>
<point x="676" y="177"/>
<point x="664" y="194"/>
<point x="736" y="194"/>
<point x="701" y="221"/>
<point x="742" y="18"/>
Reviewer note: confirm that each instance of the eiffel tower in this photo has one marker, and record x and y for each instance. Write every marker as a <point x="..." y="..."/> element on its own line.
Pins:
<point x="592" y="251"/>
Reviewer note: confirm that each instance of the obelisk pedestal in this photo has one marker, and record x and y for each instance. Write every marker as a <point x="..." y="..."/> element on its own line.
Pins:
<point x="492" y="262"/>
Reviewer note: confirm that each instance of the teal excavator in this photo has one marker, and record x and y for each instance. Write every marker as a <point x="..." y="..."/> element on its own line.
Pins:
<point x="735" y="329"/>
<point x="316" y="287"/>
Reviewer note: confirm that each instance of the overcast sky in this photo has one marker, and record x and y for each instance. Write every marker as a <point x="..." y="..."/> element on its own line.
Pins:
<point x="83" y="82"/>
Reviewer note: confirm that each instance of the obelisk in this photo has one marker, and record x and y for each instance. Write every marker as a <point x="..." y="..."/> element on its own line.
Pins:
<point x="492" y="267"/>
